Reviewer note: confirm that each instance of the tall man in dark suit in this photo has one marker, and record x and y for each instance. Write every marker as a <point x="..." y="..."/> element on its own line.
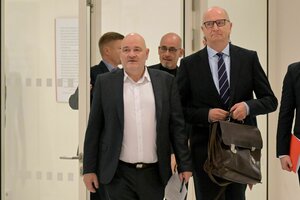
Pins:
<point x="203" y="98"/>
<point x="110" y="47"/>
<point x="290" y="102"/>
<point x="135" y="117"/>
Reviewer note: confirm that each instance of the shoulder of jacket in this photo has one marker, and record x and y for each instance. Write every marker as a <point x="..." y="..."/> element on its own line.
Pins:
<point x="294" y="66"/>
<point x="154" y="66"/>
<point x="241" y="49"/>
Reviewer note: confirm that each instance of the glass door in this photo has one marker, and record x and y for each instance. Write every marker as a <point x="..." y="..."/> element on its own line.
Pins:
<point x="40" y="133"/>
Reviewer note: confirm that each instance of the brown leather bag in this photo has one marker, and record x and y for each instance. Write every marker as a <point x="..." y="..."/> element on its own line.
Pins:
<point x="234" y="153"/>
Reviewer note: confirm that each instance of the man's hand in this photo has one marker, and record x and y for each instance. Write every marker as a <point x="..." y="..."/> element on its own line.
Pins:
<point x="239" y="111"/>
<point x="185" y="175"/>
<point x="173" y="163"/>
<point x="217" y="114"/>
<point x="90" y="180"/>
<point x="286" y="163"/>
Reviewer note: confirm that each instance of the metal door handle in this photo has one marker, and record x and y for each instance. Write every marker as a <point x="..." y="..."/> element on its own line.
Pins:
<point x="78" y="157"/>
<point x="69" y="157"/>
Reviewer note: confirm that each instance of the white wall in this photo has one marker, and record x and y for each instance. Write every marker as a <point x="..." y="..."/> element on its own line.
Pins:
<point x="151" y="19"/>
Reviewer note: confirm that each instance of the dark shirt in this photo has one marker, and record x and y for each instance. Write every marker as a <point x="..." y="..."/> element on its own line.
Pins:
<point x="160" y="67"/>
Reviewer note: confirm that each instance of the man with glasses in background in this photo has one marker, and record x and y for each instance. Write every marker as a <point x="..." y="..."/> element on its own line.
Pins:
<point x="109" y="47"/>
<point x="213" y="82"/>
<point x="169" y="52"/>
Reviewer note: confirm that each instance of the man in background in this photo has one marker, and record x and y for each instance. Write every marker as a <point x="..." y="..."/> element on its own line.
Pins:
<point x="169" y="51"/>
<point x="109" y="47"/>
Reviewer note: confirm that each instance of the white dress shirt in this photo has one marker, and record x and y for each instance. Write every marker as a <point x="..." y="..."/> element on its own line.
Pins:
<point x="139" y="139"/>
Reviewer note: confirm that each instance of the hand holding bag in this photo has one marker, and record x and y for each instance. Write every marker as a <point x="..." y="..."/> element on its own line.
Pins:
<point x="234" y="153"/>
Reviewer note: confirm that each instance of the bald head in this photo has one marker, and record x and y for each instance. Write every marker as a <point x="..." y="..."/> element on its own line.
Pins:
<point x="216" y="28"/>
<point x="134" y="38"/>
<point x="170" y="50"/>
<point x="214" y="12"/>
<point x="134" y="54"/>
<point x="171" y="38"/>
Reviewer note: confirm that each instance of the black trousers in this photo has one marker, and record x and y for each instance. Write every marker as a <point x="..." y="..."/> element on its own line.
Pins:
<point x="94" y="196"/>
<point x="205" y="189"/>
<point x="133" y="184"/>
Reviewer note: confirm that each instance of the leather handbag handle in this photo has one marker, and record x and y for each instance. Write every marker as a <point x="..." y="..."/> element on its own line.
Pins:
<point x="230" y="119"/>
<point x="213" y="136"/>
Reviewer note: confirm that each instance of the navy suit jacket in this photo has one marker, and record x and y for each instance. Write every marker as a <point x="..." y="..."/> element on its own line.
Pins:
<point x="199" y="93"/>
<point x="290" y="103"/>
<point x="104" y="134"/>
<point x="96" y="70"/>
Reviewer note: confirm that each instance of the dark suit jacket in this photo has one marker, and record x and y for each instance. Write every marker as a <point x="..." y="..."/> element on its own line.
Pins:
<point x="104" y="135"/>
<point x="199" y="93"/>
<point x="160" y="67"/>
<point x="290" y="102"/>
<point x="95" y="70"/>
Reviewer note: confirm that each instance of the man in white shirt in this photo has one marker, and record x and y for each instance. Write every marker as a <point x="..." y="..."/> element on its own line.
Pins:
<point x="130" y="131"/>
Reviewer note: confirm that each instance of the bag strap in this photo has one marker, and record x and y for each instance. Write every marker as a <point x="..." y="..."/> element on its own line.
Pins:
<point x="230" y="119"/>
<point x="220" y="193"/>
<point x="212" y="142"/>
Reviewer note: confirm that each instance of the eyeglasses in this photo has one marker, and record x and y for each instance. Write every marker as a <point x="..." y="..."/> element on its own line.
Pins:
<point x="219" y="23"/>
<point x="164" y="49"/>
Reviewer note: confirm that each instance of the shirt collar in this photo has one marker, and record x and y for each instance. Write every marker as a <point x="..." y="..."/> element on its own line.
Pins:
<point x="144" y="78"/>
<point x="211" y="52"/>
<point x="109" y="66"/>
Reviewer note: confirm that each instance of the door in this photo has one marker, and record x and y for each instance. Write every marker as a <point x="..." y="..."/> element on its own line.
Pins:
<point x="41" y="137"/>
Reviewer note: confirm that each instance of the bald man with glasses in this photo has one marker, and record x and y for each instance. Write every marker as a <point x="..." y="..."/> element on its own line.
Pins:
<point x="169" y="52"/>
<point x="219" y="79"/>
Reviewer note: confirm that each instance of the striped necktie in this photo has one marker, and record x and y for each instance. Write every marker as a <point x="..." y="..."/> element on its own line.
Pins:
<point x="223" y="81"/>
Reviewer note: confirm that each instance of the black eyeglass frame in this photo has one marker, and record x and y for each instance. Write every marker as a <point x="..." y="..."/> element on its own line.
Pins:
<point x="170" y="49"/>
<point x="219" y="23"/>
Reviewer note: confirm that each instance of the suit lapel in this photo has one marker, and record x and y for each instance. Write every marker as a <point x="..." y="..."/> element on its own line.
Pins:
<point x="205" y="69"/>
<point x="118" y="82"/>
<point x="235" y="67"/>
<point x="157" y="86"/>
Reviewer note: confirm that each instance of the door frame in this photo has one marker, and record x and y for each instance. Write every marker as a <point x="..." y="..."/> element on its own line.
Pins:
<point x="84" y="80"/>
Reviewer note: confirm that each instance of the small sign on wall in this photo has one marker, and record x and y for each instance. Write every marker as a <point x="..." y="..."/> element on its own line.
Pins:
<point x="67" y="57"/>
